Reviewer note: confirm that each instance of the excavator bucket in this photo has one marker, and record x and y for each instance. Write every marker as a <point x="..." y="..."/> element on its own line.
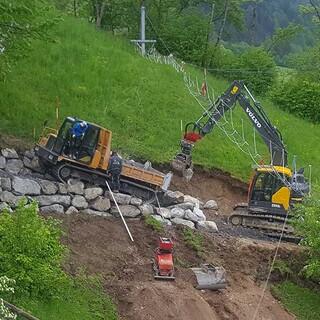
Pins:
<point x="182" y="168"/>
<point x="210" y="277"/>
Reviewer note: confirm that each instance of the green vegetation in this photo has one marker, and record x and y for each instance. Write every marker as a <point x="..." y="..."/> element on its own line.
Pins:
<point x="300" y="97"/>
<point x="31" y="254"/>
<point x="194" y="240"/>
<point x="308" y="224"/>
<point x="83" y="300"/>
<point x="103" y="80"/>
<point x="303" y="302"/>
<point x="22" y="22"/>
<point x="154" y="224"/>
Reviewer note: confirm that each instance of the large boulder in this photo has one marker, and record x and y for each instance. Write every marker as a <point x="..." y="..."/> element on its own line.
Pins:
<point x="47" y="200"/>
<point x="100" y="204"/>
<point x="191" y="199"/>
<point x="10" y="198"/>
<point x="164" y="212"/>
<point x="183" y="222"/>
<point x="121" y="198"/>
<point x="79" y="202"/>
<point x="25" y="186"/>
<point x="72" y="210"/>
<point x="62" y="188"/>
<point x="195" y="215"/>
<point x="54" y="208"/>
<point x="128" y="211"/>
<point x="172" y="198"/>
<point x="177" y="212"/>
<point x="207" y="226"/>
<point x="14" y="166"/>
<point x="211" y="204"/>
<point x="10" y="153"/>
<point x="30" y="154"/>
<point x="48" y="187"/>
<point x="92" y="193"/>
<point x="97" y="213"/>
<point x="5" y="183"/>
<point x="162" y="220"/>
<point x="2" y="162"/>
<point x="33" y="164"/>
<point x="146" y="209"/>
<point x="5" y="207"/>
<point x="75" y="186"/>
<point x="136" y="201"/>
<point x="184" y="206"/>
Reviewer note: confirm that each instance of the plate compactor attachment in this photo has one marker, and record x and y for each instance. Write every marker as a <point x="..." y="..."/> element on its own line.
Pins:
<point x="163" y="260"/>
<point x="210" y="277"/>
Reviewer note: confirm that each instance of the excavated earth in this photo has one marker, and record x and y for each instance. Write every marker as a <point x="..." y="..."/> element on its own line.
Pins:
<point x="102" y="246"/>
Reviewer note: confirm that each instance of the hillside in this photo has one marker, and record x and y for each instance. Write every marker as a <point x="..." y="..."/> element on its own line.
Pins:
<point x="102" y="79"/>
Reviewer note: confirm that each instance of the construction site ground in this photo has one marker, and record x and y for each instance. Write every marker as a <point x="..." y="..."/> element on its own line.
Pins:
<point x="102" y="246"/>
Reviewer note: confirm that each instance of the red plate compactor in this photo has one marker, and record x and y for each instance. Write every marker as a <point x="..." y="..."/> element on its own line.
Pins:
<point x="163" y="260"/>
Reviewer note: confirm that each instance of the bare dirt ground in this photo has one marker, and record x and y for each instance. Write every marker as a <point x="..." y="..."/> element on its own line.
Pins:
<point x="102" y="246"/>
<point x="216" y="185"/>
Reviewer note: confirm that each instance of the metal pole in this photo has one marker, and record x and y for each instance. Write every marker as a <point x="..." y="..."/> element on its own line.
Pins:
<point x="143" y="30"/>
<point x="114" y="200"/>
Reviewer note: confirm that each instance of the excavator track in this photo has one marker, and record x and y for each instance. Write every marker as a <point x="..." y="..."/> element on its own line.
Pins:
<point x="64" y="171"/>
<point x="270" y="225"/>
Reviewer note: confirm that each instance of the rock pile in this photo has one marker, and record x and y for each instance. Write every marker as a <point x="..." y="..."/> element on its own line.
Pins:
<point x="22" y="176"/>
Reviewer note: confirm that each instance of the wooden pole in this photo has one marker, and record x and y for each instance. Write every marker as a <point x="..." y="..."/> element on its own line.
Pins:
<point x="19" y="311"/>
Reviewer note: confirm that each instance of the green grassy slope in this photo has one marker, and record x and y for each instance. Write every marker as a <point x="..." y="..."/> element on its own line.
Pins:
<point x="102" y="79"/>
<point x="302" y="302"/>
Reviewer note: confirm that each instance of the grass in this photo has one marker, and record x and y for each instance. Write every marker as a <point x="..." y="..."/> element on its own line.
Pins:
<point x="194" y="240"/>
<point x="102" y="79"/>
<point x="154" y="224"/>
<point x="303" y="302"/>
<point x="83" y="301"/>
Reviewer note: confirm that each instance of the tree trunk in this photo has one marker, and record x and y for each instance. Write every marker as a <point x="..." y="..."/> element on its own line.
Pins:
<point x="223" y="23"/>
<point x="316" y="9"/>
<point x="100" y="8"/>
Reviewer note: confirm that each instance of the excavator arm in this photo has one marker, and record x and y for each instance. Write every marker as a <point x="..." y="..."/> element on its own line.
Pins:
<point x="237" y="92"/>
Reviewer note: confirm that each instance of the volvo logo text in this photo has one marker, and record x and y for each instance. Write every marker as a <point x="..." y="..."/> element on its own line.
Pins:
<point x="252" y="116"/>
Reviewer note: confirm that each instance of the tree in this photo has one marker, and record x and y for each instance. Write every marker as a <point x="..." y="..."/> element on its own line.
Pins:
<point x="281" y="37"/>
<point x="313" y="9"/>
<point x="257" y="68"/>
<point x="307" y="223"/>
<point x="20" y="23"/>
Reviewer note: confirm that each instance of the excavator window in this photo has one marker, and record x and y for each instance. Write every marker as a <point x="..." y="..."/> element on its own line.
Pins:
<point x="63" y="137"/>
<point x="265" y="186"/>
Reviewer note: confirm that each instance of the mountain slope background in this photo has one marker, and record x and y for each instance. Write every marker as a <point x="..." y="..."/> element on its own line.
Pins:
<point x="98" y="77"/>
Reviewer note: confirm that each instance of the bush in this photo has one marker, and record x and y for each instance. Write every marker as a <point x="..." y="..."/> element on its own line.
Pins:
<point x="154" y="224"/>
<point x="300" y="97"/>
<point x="307" y="223"/>
<point x="31" y="253"/>
<point x="257" y="68"/>
<point x="194" y="240"/>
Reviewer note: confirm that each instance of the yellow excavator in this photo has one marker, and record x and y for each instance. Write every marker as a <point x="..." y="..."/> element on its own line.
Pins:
<point x="92" y="160"/>
<point x="274" y="188"/>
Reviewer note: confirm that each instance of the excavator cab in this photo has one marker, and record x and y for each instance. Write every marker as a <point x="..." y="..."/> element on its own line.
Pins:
<point x="268" y="190"/>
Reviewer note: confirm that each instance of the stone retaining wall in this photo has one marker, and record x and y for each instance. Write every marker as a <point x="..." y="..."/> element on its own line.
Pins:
<point x="21" y="175"/>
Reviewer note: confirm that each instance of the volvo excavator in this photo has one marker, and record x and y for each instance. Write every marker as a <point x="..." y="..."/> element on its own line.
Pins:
<point x="274" y="188"/>
<point x="92" y="161"/>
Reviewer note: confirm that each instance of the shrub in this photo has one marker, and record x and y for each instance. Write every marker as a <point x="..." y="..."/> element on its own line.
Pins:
<point x="154" y="224"/>
<point x="257" y="68"/>
<point x="300" y="97"/>
<point x="193" y="239"/>
<point x="307" y="223"/>
<point x="31" y="253"/>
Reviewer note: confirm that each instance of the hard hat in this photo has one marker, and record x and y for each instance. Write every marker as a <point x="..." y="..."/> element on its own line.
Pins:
<point x="83" y="124"/>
